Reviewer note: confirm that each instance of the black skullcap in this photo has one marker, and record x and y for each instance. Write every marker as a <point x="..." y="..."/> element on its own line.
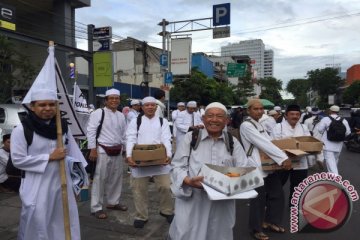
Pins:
<point x="293" y="107"/>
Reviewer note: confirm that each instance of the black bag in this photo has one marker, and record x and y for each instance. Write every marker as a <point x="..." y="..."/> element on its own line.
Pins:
<point x="336" y="131"/>
<point x="11" y="170"/>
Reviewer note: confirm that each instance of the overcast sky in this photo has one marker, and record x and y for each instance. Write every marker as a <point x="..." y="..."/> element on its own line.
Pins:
<point x="304" y="34"/>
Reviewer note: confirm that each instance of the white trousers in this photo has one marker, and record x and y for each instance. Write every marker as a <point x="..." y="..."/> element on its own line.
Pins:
<point x="332" y="160"/>
<point x="107" y="181"/>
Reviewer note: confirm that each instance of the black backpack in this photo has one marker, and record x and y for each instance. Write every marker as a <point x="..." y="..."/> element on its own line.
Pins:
<point x="336" y="131"/>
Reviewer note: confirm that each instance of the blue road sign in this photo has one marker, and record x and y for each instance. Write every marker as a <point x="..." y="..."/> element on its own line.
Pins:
<point x="164" y="60"/>
<point x="221" y="14"/>
<point x="168" y="77"/>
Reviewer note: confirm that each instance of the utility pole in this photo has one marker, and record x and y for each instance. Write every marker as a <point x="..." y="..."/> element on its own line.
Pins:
<point x="91" y="93"/>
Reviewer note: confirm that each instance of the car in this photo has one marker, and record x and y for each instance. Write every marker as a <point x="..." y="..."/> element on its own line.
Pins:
<point x="10" y="115"/>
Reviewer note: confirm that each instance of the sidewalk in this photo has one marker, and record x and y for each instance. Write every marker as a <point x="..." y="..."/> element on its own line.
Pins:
<point x="118" y="225"/>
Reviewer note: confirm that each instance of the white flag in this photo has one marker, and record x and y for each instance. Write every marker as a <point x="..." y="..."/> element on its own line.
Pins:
<point x="80" y="103"/>
<point x="50" y="78"/>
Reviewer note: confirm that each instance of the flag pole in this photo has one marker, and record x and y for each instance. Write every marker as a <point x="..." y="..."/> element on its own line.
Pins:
<point x="64" y="192"/>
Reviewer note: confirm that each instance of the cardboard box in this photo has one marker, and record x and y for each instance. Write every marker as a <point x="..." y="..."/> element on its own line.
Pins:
<point x="309" y="144"/>
<point x="294" y="155"/>
<point x="149" y="154"/>
<point x="214" y="176"/>
<point x="286" y="143"/>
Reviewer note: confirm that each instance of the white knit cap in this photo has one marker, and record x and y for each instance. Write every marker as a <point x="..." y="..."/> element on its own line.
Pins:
<point x="334" y="108"/>
<point x="272" y="113"/>
<point x="181" y="104"/>
<point x="43" y="94"/>
<point x="191" y="104"/>
<point x="112" y="91"/>
<point x="148" y="100"/>
<point x="277" y="108"/>
<point x="135" y="102"/>
<point x="216" y="105"/>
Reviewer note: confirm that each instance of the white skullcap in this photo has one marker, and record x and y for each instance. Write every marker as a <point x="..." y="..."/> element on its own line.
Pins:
<point x="43" y="94"/>
<point x="277" y="108"/>
<point x="135" y="102"/>
<point x="112" y="91"/>
<point x="272" y="113"/>
<point x="308" y="109"/>
<point x="335" y="108"/>
<point x="181" y="104"/>
<point x="148" y="100"/>
<point x="191" y="104"/>
<point x="216" y="105"/>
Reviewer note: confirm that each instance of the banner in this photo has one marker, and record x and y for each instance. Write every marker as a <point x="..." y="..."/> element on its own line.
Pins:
<point x="103" y="70"/>
<point x="80" y="103"/>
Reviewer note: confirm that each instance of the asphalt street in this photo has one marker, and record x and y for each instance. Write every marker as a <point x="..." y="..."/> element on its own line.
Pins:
<point x="119" y="224"/>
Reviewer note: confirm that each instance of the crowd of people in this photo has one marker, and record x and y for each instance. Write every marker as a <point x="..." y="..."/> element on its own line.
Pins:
<point x="184" y="204"/>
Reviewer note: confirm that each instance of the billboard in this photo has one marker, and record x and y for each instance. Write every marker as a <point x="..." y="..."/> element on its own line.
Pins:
<point x="180" y="56"/>
<point x="103" y="69"/>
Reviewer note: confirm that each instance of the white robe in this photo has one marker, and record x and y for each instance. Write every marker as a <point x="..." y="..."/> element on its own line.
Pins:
<point x="40" y="190"/>
<point x="197" y="217"/>
<point x="184" y="120"/>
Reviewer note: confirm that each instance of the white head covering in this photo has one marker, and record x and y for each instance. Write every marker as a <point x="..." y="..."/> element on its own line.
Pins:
<point x="191" y="104"/>
<point x="308" y="109"/>
<point x="272" y="112"/>
<point x="216" y="105"/>
<point x="148" y="100"/>
<point x="112" y="91"/>
<point x="335" y="108"/>
<point x="43" y="94"/>
<point x="277" y="108"/>
<point x="181" y="104"/>
<point x="135" y="102"/>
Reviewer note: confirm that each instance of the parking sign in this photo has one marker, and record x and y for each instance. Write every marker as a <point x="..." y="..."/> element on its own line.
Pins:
<point x="221" y="14"/>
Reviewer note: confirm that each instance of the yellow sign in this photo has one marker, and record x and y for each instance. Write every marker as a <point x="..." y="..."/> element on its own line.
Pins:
<point x="7" y="25"/>
<point x="103" y="69"/>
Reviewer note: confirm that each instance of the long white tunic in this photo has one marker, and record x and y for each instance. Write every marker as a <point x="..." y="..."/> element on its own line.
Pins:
<point x="40" y="190"/>
<point x="284" y="130"/>
<point x="150" y="132"/>
<point x="323" y="126"/>
<point x="131" y="115"/>
<point x="257" y="136"/>
<point x="197" y="217"/>
<point x="269" y="124"/>
<point x="185" y="120"/>
<point x="4" y="157"/>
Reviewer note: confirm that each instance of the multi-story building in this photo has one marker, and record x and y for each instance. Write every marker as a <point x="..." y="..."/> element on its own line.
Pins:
<point x="353" y="74"/>
<point x="268" y="63"/>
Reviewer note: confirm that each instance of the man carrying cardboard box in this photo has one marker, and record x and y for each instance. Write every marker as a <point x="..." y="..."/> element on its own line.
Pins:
<point x="292" y="128"/>
<point x="255" y="138"/>
<point x="197" y="217"/>
<point x="149" y="129"/>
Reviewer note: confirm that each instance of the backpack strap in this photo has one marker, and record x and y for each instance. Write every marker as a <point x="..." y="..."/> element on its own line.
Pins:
<point x="229" y="142"/>
<point x="98" y="130"/>
<point x="138" y="123"/>
<point x="251" y="148"/>
<point x="28" y="134"/>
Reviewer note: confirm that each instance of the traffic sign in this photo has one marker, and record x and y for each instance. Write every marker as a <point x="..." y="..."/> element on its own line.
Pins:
<point x="168" y="77"/>
<point x="221" y="32"/>
<point x="221" y="14"/>
<point x="102" y="45"/>
<point x="102" y="32"/>
<point x="236" y="69"/>
<point x="164" y="60"/>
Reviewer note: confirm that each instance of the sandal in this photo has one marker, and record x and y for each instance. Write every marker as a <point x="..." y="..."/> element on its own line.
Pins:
<point x="273" y="227"/>
<point x="100" y="214"/>
<point x="119" y="206"/>
<point x="260" y="236"/>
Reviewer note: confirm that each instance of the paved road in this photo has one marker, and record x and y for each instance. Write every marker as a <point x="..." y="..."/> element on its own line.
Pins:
<point x="119" y="224"/>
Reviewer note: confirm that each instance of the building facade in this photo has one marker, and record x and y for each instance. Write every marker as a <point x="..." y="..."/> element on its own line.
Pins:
<point x="268" y="63"/>
<point x="353" y="74"/>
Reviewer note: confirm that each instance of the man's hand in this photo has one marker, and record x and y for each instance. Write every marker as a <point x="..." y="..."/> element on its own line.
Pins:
<point x="93" y="155"/>
<point x="194" y="182"/>
<point x="130" y="162"/>
<point x="167" y="161"/>
<point x="286" y="164"/>
<point x="57" y="154"/>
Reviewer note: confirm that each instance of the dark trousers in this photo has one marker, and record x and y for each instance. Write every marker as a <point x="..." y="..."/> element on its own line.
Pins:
<point x="296" y="177"/>
<point x="270" y="195"/>
<point x="12" y="183"/>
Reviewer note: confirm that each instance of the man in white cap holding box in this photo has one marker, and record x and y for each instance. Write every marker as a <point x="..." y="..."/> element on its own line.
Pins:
<point x="134" y="110"/>
<point x="149" y="129"/>
<point x="197" y="217"/>
<point x="333" y="137"/>
<point x="187" y="121"/>
<point x="34" y="151"/>
<point x="106" y="139"/>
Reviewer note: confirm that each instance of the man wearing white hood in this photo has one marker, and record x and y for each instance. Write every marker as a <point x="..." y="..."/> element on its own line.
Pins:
<point x="159" y="95"/>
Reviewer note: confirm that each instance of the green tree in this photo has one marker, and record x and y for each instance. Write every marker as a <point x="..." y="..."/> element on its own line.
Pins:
<point x="298" y="88"/>
<point x="352" y="93"/>
<point x="202" y="90"/>
<point x="325" y="81"/>
<point x="244" y="88"/>
<point x="271" y="88"/>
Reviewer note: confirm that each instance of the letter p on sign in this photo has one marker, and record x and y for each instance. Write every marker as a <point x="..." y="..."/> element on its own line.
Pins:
<point x="221" y="14"/>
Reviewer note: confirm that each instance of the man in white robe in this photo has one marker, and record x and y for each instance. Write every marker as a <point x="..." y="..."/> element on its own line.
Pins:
<point x="134" y="110"/>
<point x="187" y="120"/>
<point x="175" y="113"/>
<point x="197" y="217"/>
<point x="40" y="190"/>
<point x="270" y="122"/>
<point x="150" y="131"/>
<point x="159" y="95"/>
<point x="255" y="138"/>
